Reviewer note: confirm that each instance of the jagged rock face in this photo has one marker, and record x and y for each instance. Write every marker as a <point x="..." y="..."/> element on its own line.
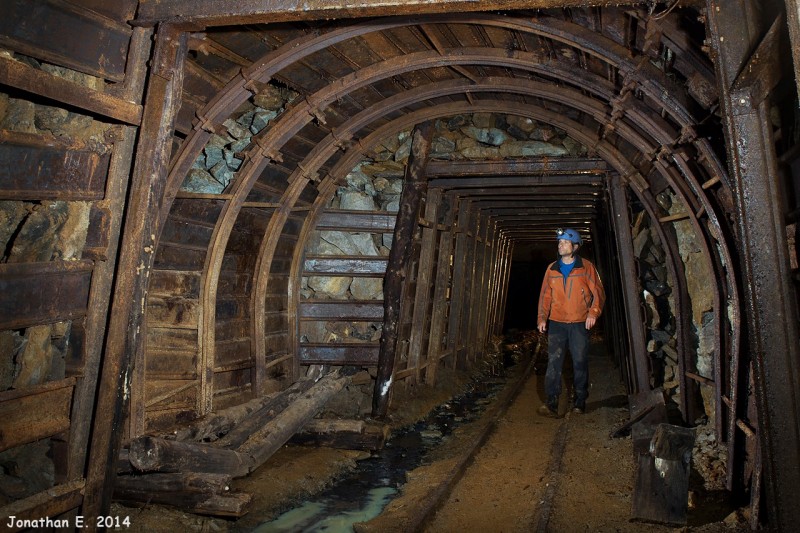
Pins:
<point x="42" y="231"/>
<point x="375" y="184"/>
<point x="659" y="301"/>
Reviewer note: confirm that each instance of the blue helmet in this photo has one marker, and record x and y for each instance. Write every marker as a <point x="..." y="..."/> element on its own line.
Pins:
<point x="569" y="234"/>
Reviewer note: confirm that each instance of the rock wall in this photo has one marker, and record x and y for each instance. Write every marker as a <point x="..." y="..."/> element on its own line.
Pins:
<point x="657" y="288"/>
<point x="34" y="232"/>
<point x="376" y="183"/>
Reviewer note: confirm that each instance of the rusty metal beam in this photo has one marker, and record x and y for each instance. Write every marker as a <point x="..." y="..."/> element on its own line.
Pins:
<point x="33" y="167"/>
<point x="66" y="34"/>
<point x="206" y="13"/>
<point x="630" y="282"/>
<point x="735" y="28"/>
<point x="38" y="82"/>
<point x="125" y="326"/>
<point x="528" y="167"/>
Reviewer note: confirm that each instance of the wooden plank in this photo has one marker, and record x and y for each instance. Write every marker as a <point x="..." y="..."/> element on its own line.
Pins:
<point x="52" y="502"/>
<point x="67" y="35"/>
<point x="35" y="167"/>
<point x="440" y="301"/>
<point x="422" y="297"/>
<point x="341" y="265"/>
<point x="353" y="310"/>
<point x="34" y="413"/>
<point x="42" y="293"/>
<point x="369" y="221"/>
<point x="173" y="311"/>
<point x="338" y="354"/>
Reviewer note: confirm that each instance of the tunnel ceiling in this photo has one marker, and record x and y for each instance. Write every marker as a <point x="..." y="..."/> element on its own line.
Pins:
<point x="632" y="86"/>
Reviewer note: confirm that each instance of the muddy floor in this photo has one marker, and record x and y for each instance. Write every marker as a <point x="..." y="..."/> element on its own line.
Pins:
<point x="514" y="471"/>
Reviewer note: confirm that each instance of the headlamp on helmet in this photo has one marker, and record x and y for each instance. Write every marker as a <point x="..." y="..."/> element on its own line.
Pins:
<point x="570" y="235"/>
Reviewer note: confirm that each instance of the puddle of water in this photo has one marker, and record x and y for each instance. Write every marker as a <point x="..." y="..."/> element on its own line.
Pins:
<point x="363" y="494"/>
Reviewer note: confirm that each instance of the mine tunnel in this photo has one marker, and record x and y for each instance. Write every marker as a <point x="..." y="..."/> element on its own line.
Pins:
<point x="218" y="218"/>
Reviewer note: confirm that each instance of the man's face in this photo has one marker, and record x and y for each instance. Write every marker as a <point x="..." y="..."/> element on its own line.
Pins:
<point x="565" y="247"/>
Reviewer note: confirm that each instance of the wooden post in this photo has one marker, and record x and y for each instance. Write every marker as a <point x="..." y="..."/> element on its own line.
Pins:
<point x="440" y="299"/>
<point x="414" y="188"/>
<point x="422" y="297"/>
<point x="135" y="263"/>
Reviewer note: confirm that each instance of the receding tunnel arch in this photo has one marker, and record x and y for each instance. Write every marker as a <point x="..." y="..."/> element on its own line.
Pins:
<point x="639" y="76"/>
<point x="351" y="159"/>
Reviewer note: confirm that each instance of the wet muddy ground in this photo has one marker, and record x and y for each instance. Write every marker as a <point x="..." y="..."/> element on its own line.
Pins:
<point x="528" y="473"/>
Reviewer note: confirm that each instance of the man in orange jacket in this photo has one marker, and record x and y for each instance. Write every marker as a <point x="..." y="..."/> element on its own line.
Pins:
<point x="572" y="299"/>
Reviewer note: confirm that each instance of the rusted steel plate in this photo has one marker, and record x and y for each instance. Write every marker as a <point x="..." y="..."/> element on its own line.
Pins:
<point x="65" y="34"/>
<point x="34" y="413"/>
<point x="341" y="310"/>
<point x="357" y="220"/>
<point x="33" y="168"/>
<point x="528" y="167"/>
<point x="338" y="354"/>
<point x="42" y="293"/>
<point x="516" y="181"/>
<point x="215" y="13"/>
<point x="344" y="265"/>
<point x="28" y="79"/>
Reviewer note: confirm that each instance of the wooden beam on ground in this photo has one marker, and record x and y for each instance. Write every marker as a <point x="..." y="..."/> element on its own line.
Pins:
<point x="343" y="434"/>
<point x="415" y="186"/>
<point x="201" y="493"/>
<point x="267" y="440"/>
<point x="268" y="412"/>
<point x="154" y="454"/>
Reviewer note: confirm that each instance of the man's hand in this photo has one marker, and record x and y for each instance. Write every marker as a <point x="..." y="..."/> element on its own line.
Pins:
<point x="542" y="326"/>
<point x="590" y="321"/>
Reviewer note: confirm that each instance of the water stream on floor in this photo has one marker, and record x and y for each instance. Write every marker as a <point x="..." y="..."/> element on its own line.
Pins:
<point x="363" y="494"/>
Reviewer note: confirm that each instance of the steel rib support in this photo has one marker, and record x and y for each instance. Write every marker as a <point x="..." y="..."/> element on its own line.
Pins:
<point x="770" y="309"/>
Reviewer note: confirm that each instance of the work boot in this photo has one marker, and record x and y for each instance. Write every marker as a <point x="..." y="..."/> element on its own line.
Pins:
<point x="549" y="409"/>
<point x="580" y="407"/>
<point x="544" y="410"/>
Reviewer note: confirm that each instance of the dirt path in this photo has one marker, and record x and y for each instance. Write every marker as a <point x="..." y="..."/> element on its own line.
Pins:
<point x="545" y="474"/>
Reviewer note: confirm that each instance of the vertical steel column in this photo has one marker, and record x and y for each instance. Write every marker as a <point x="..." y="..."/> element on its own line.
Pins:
<point x="124" y="341"/>
<point x="630" y="282"/>
<point x="736" y="27"/>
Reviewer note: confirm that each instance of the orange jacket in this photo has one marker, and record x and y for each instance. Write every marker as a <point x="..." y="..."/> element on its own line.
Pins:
<point x="581" y="296"/>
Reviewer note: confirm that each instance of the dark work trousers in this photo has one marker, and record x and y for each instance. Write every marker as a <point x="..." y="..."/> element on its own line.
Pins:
<point x="561" y="336"/>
